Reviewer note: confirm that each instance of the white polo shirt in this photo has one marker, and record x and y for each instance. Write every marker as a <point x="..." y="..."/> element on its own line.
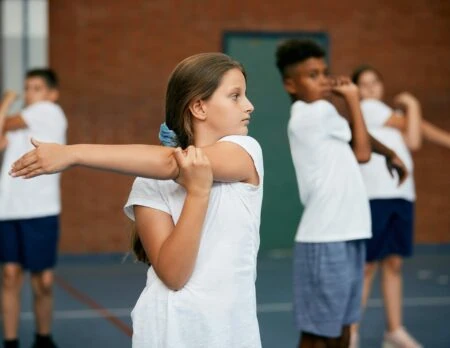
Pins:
<point x="379" y="183"/>
<point x="328" y="175"/>
<point x="37" y="197"/>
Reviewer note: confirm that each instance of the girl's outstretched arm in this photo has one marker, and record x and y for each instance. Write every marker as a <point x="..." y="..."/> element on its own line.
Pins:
<point x="435" y="134"/>
<point x="139" y="160"/>
<point x="229" y="161"/>
<point x="430" y="132"/>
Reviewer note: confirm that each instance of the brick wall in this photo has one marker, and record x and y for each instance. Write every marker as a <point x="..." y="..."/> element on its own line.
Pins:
<point x="114" y="59"/>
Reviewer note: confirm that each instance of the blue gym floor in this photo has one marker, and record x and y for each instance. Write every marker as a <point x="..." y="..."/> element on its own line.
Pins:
<point x="94" y="296"/>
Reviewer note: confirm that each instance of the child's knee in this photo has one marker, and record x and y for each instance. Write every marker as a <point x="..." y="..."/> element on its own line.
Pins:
<point x="12" y="277"/>
<point x="43" y="283"/>
<point x="393" y="264"/>
<point x="370" y="269"/>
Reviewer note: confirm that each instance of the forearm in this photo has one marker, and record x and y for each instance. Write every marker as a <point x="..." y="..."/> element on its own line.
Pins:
<point x="149" y="161"/>
<point x="4" y="108"/>
<point x="379" y="148"/>
<point x="178" y="254"/>
<point x="360" y="137"/>
<point x="413" y="132"/>
<point x="435" y="134"/>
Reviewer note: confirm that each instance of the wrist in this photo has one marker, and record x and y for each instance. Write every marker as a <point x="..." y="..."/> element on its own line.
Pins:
<point x="199" y="194"/>
<point x="351" y="98"/>
<point x="74" y="154"/>
<point x="413" y="103"/>
<point x="390" y="154"/>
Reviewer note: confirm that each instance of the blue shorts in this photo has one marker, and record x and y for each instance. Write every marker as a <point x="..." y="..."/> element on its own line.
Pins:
<point x="392" y="229"/>
<point x="32" y="243"/>
<point x="328" y="281"/>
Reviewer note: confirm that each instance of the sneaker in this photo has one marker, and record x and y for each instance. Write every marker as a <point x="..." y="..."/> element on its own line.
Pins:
<point x="44" y="342"/>
<point x="354" y="340"/>
<point x="400" y="338"/>
<point x="11" y="343"/>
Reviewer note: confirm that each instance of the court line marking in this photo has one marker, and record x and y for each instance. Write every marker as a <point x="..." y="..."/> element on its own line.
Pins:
<point x="95" y="307"/>
<point x="275" y="307"/>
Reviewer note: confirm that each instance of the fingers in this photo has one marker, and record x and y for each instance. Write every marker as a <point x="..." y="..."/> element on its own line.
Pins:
<point x="391" y="170"/>
<point x="22" y="163"/>
<point x="34" y="174"/>
<point x="179" y="156"/>
<point x="26" y="170"/>
<point x="35" y="142"/>
<point x="340" y="81"/>
<point x="403" y="174"/>
<point x="22" y="173"/>
<point x="186" y="157"/>
<point x="191" y="153"/>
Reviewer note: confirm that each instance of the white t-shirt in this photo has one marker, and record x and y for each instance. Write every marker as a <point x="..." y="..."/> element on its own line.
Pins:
<point x="330" y="183"/>
<point x="379" y="183"/>
<point x="217" y="306"/>
<point x="37" y="197"/>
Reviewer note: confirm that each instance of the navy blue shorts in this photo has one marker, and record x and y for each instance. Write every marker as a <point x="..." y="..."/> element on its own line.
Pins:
<point x="328" y="282"/>
<point x="392" y="229"/>
<point x="32" y="243"/>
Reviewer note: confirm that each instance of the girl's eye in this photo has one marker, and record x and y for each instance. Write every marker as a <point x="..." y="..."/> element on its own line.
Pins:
<point x="235" y="96"/>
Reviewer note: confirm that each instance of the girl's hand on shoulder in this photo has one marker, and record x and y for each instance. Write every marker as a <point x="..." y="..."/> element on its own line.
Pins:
<point x="405" y="100"/>
<point x="195" y="171"/>
<point x="46" y="158"/>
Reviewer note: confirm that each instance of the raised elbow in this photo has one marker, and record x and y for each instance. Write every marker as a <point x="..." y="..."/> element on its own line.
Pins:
<point x="414" y="145"/>
<point x="363" y="156"/>
<point x="173" y="283"/>
<point x="172" y="279"/>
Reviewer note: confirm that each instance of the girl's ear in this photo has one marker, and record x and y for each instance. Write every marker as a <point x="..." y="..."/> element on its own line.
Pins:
<point x="198" y="109"/>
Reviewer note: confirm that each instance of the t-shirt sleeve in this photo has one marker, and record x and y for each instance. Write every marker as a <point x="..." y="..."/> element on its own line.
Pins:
<point x="317" y="121"/>
<point x="307" y="122"/>
<point x="252" y="147"/>
<point x="45" y="120"/>
<point x="375" y="113"/>
<point x="147" y="193"/>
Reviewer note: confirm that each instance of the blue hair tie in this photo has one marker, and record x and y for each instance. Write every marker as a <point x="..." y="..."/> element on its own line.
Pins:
<point x="167" y="137"/>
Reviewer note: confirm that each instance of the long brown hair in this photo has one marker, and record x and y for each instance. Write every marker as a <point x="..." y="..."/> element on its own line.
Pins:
<point x="196" y="77"/>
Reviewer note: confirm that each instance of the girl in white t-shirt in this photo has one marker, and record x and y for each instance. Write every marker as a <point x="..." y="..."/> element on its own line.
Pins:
<point x="200" y="240"/>
<point x="392" y="206"/>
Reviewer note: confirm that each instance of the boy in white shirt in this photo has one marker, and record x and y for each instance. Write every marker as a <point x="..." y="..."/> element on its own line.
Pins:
<point x="329" y="254"/>
<point x="29" y="210"/>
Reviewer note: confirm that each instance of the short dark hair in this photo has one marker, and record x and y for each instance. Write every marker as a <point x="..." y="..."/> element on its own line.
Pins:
<point x="48" y="75"/>
<point x="362" y="69"/>
<point x="295" y="51"/>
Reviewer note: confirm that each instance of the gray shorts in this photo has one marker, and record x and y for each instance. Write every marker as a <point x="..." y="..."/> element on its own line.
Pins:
<point x="328" y="281"/>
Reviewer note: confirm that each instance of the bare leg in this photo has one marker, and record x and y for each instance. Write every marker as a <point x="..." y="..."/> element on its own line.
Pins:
<point x="313" y="341"/>
<point x="12" y="281"/>
<point x="308" y="340"/>
<point x="42" y="284"/>
<point x="369" y="275"/>
<point x="391" y="285"/>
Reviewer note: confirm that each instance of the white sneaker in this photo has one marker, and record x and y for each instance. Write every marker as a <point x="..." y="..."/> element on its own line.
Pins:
<point x="400" y="338"/>
<point x="354" y="340"/>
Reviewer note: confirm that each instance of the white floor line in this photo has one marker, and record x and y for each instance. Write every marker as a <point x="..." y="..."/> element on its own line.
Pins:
<point x="276" y="307"/>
